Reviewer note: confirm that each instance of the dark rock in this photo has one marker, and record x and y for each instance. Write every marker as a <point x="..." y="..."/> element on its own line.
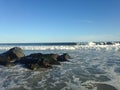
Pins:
<point x="35" y="55"/>
<point x="109" y="43"/>
<point x="33" y="61"/>
<point x="32" y="66"/>
<point x="105" y="87"/>
<point x="37" y="60"/>
<point x="11" y="55"/>
<point x="29" y="60"/>
<point x="16" y="52"/>
<point x="51" y="58"/>
<point x="35" y="66"/>
<point x="46" y="63"/>
<point x="64" y="57"/>
<point x="4" y="59"/>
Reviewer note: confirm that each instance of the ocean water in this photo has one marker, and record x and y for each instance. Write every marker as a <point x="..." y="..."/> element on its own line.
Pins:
<point x="91" y="63"/>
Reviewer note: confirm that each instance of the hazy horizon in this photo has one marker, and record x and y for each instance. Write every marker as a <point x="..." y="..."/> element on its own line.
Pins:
<point x="34" y="21"/>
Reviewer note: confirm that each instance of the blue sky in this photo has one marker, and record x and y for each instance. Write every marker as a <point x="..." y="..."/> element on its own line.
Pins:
<point x="59" y="20"/>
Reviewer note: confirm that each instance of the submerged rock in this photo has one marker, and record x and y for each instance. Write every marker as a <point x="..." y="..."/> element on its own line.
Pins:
<point x="105" y="87"/>
<point x="99" y="86"/>
<point x="11" y="55"/>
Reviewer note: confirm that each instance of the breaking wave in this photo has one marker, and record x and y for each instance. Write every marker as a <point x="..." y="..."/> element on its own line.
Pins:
<point x="91" y="63"/>
<point x="61" y="46"/>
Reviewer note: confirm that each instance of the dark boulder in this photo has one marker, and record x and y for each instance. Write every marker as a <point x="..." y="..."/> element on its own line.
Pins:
<point x="37" y="60"/>
<point x="32" y="66"/>
<point x="15" y="53"/>
<point x="105" y="87"/>
<point x="4" y="59"/>
<point x="46" y="63"/>
<point x="35" y="55"/>
<point x="11" y="55"/>
<point x="51" y="58"/>
<point x="35" y="63"/>
<point x="64" y="57"/>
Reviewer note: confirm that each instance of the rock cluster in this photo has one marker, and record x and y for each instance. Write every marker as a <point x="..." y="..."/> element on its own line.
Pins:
<point x="33" y="61"/>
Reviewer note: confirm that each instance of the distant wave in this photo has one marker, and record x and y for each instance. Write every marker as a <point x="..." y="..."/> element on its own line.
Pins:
<point x="60" y="46"/>
<point x="102" y="43"/>
<point x="61" y="43"/>
<point x="105" y="43"/>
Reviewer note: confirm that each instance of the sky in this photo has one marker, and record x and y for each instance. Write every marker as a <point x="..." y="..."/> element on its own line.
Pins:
<point x="59" y="20"/>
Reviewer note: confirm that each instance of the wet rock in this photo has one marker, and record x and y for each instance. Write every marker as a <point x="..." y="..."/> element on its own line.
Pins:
<point x="35" y="55"/>
<point x="4" y="59"/>
<point x="64" y="57"/>
<point x="46" y="63"/>
<point x="105" y="87"/>
<point x="51" y="58"/>
<point x="11" y="56"/>
<point x="99" y="86"/>
<point x="33" y="66"/>
<point x="33" y="61"/>
<point x="15" y="52"/>
<point x="38" y="60"/>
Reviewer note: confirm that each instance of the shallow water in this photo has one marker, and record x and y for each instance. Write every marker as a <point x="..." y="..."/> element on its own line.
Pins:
<point x="89" y="65"/>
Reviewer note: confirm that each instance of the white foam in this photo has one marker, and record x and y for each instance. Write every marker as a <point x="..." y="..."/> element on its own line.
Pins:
<point x="13" y="77"/>
<point x="85" y="56"/>
<point x="91" y="45"/>
<point x="73" y="86"/>
<point x="115" y="77"/>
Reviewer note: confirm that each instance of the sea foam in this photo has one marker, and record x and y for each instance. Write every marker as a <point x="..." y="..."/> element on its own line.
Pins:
<point x="90" y="64"/>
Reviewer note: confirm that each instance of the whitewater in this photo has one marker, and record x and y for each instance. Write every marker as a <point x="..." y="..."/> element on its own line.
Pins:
<point x="91" y="63"/>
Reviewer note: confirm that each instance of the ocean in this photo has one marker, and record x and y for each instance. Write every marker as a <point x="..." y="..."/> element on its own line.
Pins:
<point x="91" y="63"/>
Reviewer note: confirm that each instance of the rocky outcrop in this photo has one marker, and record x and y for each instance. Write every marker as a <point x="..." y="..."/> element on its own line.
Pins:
<point x="33" y="61"/>
<point x="39" y="60"/>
